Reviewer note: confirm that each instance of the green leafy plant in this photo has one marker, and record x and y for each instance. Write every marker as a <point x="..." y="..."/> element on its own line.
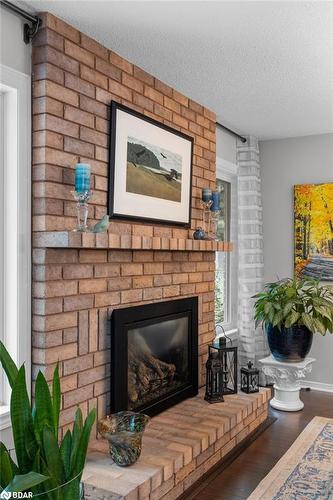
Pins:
<point x="303" y="302"/>
<point x="43" y="465"/>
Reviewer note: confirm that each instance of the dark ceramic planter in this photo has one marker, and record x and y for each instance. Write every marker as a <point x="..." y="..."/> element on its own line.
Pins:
<point x="290" y="345"/>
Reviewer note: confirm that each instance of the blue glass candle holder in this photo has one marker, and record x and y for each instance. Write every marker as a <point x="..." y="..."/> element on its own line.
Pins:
<point x="215" y="206"/>
<point x="82" y="177"/>
<point x="82" y="194"/>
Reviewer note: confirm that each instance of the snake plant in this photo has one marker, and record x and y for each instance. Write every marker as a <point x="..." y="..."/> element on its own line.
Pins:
<point x="47" y="468"/>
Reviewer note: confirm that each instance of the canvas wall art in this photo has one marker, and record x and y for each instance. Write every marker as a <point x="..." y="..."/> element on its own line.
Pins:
<point x="150" y="169"/>
<point x="313" y="212"/>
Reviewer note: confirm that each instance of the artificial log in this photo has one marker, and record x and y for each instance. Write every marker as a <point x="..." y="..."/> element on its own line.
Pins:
<point x="146" y="373"/>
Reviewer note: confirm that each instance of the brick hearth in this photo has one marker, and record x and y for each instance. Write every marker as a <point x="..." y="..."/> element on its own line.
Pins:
<point x="179" y="446"/>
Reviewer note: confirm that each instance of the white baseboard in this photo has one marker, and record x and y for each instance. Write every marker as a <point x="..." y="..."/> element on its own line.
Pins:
<point x="317" y="386"/>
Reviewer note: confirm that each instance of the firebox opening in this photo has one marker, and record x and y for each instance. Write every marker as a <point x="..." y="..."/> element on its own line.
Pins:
<point x="157" y="360"/>
<point x="154" y="355"/>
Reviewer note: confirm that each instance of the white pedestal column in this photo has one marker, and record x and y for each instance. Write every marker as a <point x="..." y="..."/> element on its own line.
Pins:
<point x="286" y="377"/>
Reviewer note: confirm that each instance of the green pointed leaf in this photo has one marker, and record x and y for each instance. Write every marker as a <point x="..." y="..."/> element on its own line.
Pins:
<point x="44" y="408"/>
<point x="267" y="307"/>
<point x="20" y="412"/>
<point x="3" y="449"/>
<point x="53" y="458"/>
<point x="287" y="308"/>
<point x="72" y="490"/>
<point x="31" y="442"/>
<point x="325" y="311"/>
<point x="77" y="428"/>
<point x="271" y="315"/>
<point x="40" y="466"/>
<point x="36" y="465"/>
<point x="328" y="324"/>
<point x="291" y="319"/>
<point x="79" y="458"/>
<point x="65" y="452"/>
<point x="6" y="470"/>
<point x="277" y="318"/>
<point x="25" y="482"/>
<point x="56" y="399"/>
<point x="307" y="321"/>
<point x="8" y="365"/>
<point x="319" y="326"/>
<point x="290" y="292"/>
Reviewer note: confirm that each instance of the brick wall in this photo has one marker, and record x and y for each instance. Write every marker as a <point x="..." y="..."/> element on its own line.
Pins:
<point x="74" y="290"/>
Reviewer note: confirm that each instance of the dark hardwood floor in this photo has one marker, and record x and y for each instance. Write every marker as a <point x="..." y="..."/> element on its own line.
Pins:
<point x="242" y="476"/>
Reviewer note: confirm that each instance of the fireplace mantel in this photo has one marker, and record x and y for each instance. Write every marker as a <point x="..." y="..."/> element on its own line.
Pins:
<point x="69" y="239"/>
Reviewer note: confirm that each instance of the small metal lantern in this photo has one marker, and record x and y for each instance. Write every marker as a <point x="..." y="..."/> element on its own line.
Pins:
<point x="249" y="378"/>
<point x="228" y="353"/>
<point x="215" y="376"/>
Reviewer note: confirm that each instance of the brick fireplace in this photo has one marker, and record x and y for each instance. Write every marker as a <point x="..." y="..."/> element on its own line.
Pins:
<point x="79" y="279"/>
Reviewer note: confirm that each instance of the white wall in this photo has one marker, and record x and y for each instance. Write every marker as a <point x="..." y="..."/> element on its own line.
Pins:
<point x="284" y="163"/>
<point x="225" y="145"/>
<point x="13" y="51"/>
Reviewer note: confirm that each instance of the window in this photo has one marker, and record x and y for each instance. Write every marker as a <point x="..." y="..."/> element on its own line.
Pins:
<point x="223" y="225"/>
<point x="15" y="224"/>
<point x="226" y="275"/>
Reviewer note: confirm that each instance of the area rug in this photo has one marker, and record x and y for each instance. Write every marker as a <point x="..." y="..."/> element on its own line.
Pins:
<point x="305" y="472"/>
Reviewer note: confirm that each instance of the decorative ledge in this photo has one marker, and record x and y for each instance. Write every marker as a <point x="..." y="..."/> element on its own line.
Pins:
<point x="68" y="239"/>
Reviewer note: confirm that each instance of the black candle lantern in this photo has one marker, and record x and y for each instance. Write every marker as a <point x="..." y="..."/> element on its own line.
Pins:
<point x="228" y="354"/>
<point x="249" y="378"/>
<point x="221" y="368"/>
<point x="215" y="376"/>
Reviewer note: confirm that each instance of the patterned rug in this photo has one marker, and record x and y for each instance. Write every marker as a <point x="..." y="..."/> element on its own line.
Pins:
<point x="305" y="472"/>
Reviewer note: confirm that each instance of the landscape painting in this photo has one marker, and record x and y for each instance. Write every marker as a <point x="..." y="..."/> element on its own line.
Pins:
<point x="150" y="175"/>
<point x="153" y="171"/>
<point x="313" y="212"/>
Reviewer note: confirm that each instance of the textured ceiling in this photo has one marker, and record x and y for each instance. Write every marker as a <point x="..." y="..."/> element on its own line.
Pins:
<point x="265" y="68"/>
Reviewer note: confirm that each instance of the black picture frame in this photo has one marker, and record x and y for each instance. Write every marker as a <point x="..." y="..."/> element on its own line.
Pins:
<point x="112" y="208"/>
<point x="123" y="320"/>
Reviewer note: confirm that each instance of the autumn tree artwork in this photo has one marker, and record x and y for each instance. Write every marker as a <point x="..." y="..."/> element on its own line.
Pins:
<point x="313" y="212"/>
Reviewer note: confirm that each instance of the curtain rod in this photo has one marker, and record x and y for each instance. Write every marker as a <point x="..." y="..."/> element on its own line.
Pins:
<point x="28" y="31"/>
<point x="243" y="139"/>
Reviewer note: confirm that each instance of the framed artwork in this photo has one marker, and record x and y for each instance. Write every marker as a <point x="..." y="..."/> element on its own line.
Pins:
<point x="313" y="236"/>
<point x="150" y="174"/>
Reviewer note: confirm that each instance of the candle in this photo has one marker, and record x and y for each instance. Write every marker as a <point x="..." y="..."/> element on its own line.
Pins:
<point x="216" y="201"/>
<point x="82" y="177"/>
<point x="206" y="195"/>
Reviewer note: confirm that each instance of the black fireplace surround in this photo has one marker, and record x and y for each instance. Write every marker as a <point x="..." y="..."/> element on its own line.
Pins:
<point x="154" y="355"/>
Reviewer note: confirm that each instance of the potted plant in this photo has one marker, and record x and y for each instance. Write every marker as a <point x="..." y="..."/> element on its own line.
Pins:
<point x="48" y="468"/>
<point x="292" y="310"/>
